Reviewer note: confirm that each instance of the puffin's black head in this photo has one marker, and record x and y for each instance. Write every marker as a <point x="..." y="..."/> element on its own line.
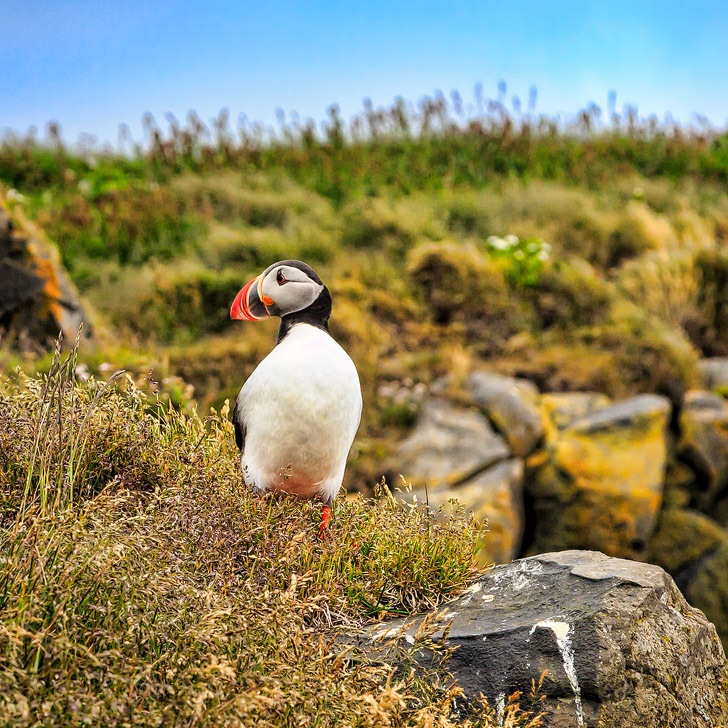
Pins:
<point x="290" y="289"/>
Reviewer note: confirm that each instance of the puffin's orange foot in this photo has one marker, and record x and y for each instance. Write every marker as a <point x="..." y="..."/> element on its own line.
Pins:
<point x="325" y="515"/>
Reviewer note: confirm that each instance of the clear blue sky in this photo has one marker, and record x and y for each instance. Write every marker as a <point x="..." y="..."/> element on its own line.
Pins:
<point x="91" y="64"/>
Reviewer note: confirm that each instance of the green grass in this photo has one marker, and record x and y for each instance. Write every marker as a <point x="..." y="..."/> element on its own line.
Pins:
<point x="142" y="584"/>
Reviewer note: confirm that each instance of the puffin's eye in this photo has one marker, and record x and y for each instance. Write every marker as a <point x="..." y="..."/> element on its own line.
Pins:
<point x="280" y="278"/>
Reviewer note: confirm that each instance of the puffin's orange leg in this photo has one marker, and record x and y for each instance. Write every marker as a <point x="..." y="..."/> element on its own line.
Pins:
<point x="325" y="515"/>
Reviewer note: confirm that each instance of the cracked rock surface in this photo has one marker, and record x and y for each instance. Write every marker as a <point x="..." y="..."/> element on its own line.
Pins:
<point x="620" y="644"/>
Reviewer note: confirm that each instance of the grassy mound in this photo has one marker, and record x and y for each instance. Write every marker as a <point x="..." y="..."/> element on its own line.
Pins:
<point x="142" y="584"/>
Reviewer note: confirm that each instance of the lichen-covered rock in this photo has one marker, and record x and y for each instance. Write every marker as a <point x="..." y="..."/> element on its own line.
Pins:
<point x="704" y="441"/>
<point x="683" y="537"/>
<point x="620" y="644"/>
<point x="511" y="405"/>
<point x="564" y="408"/>
<point x="705" y="586"/>
<point x="495" y="498"/>
<point x="714" y="373"/>
<point x="448" y="445"/>
<point x="37" y="300"/>
<point x="600" y="483"/>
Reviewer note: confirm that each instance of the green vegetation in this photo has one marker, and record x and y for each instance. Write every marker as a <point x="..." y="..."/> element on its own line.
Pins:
<point x="139" y="583"/>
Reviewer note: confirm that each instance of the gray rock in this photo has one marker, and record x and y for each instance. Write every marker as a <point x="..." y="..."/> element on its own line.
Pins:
<point x="620" y="644"/>
<point x="704" y="441"/>
<point x="628" y="413"/>
<point x="714" y="372"/>
<point x="448" y="445"/>
<point x="564" y="408"/>
<point x="511" y="405"/>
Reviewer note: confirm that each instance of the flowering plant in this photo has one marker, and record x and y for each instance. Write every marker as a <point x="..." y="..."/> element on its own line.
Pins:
<point x="523" y="260"/>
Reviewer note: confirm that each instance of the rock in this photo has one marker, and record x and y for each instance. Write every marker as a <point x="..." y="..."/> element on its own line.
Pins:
<point x="511" y="405"/>
<point x="620" y="644"/>
<point x="704" y="441"/>
<point x="448" y="445"/>
<point x="37" y="300"/>
<point x="495" y="497"/>
<point x="600" y="483"/>
<point x="682" y="538"/>
<point x="714" y="373"/>
<point x="705" y="586"/>
<point x="564" y="408"/>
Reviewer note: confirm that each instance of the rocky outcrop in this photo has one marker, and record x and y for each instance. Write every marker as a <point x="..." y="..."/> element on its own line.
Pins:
<point x="455" y="452"/>
<point x="564" y="408"/>
<point x="634" y="478"/>
<point x="495" y="498"/>
<point x="449" y="445"/>
<point x="704" y="441"/>
<point x="511" y="405"/>
<point x="619" y="643"/>
<point x="600" y="482"/>
<point x="37" y="300"/>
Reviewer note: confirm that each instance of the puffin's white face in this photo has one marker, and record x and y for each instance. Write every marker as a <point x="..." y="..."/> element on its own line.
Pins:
<point x="282" y="288"/>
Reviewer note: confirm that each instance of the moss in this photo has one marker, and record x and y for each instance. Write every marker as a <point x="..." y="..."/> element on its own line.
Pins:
<point x="707" y="590"/>
<point x="682" y="537"/>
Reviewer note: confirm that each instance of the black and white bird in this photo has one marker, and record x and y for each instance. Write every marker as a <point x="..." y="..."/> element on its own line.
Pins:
<point x="296" y="415"/>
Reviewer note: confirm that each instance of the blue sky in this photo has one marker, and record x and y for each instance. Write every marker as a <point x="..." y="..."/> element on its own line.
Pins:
<point x="91" y="64"/>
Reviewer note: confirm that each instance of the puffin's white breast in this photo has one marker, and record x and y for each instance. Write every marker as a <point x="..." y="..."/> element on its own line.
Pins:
<point x="301" y="408"/>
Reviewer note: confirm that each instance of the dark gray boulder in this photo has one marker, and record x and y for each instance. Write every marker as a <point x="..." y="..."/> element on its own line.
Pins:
<point x="620" y="644"/>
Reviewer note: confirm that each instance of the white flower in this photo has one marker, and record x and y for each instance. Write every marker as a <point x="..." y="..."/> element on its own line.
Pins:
<point x="15" y="195"/>
<point x="543" y="255"/>
<point x="511" y="239"/>
<point x="533" y="247"/>
<point x="545" y="246"/>
<point x="84" y="187"/>
<point x="519" y="255"/>
<point x="498" y="243"/>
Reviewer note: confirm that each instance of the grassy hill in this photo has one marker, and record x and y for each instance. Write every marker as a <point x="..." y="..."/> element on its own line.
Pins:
<point x="139" y="583"/>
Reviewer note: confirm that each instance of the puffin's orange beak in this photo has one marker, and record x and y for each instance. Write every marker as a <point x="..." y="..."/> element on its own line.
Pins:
<point x="247" y="305"/>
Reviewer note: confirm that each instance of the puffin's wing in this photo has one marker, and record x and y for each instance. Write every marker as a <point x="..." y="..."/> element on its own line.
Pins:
<point x="239" y="426"/>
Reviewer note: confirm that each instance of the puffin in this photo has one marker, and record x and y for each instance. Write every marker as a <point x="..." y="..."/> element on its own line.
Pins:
<point x="296" y="415"/>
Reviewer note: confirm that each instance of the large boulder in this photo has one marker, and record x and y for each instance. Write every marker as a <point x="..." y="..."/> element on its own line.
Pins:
<point x="37" y="300"/>
<point x="448" y="445"/>
<point x="599" y="483"/>
<point x="704" y="442"/>
<point x="495" y="498"/>
<point x="511" y="405"/>
<point x="620" y="645"/>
